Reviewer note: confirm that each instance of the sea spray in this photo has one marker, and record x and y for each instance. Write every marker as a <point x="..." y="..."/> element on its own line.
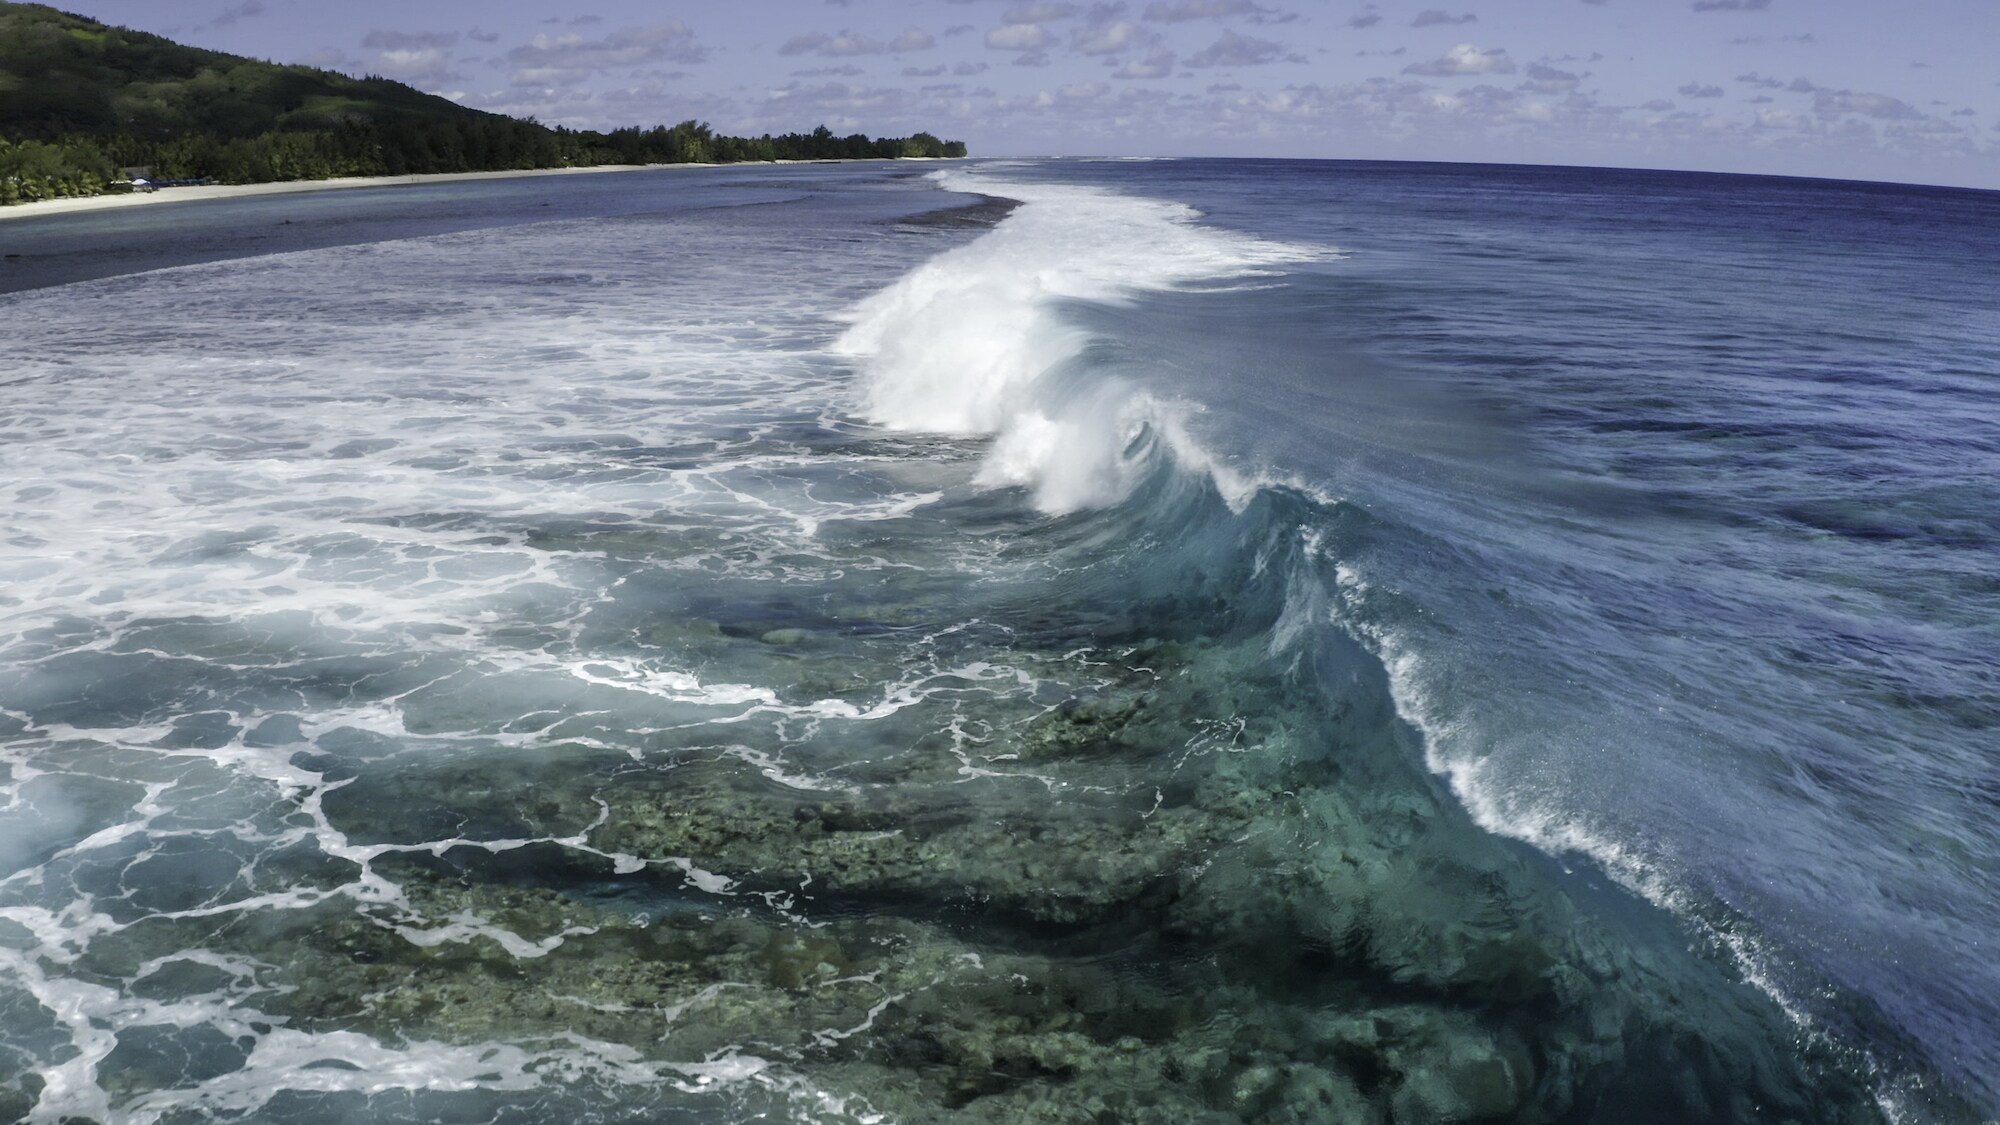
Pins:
<point x="975" y="341"/>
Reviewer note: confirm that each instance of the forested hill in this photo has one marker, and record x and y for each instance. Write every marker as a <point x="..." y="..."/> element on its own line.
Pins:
<point x="65" y="75"/>
<point x="80" y="99"/>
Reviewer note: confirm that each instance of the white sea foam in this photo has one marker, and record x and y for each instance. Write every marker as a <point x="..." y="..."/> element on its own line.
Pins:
<point x="975" y="340"/>
<point x="386" y="454"/>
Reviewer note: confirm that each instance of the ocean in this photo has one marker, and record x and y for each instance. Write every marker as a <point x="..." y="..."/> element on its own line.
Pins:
<point x="1007" y="641"/>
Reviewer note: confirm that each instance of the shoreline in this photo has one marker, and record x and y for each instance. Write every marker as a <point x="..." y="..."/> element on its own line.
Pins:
<point x="43" y="207"/>
<point x="63" y="241"/>
<point x="284" y="187"/>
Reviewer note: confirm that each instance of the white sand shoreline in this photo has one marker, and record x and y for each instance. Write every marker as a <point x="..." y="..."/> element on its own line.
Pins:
<point x="229" y="191"/>
<point x="283" y="187"/>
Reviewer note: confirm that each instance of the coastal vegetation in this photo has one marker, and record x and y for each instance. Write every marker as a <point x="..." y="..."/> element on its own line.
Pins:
<point x="80" y="101"/>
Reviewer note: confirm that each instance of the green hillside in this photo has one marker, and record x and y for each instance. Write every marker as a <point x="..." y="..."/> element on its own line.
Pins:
<point x="64" y="75"/>
<point x="80" y="99"/>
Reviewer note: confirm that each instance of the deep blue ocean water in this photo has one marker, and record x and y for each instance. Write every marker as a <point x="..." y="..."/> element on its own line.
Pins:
<point x="1221" y="640"/>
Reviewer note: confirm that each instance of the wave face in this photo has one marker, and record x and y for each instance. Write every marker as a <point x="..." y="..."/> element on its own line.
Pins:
<point x="555" y="671"/>
<point x="974" y="341"/>
<point x="1676" y="569"/>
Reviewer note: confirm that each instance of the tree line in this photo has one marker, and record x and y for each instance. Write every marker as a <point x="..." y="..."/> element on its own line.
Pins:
<point x="73" y="166"/>
<point x="80" y="101"/>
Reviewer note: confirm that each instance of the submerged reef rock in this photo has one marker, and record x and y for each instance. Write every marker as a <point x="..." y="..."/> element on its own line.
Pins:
<point x="1143" y="857"/>
<point x="1214" y="923"/>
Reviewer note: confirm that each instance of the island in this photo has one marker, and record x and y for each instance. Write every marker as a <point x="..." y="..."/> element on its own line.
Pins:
<point x="89" y="108"/>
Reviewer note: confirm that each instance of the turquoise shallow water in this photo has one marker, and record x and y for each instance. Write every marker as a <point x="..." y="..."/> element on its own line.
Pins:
<point x="1219" y="641"/>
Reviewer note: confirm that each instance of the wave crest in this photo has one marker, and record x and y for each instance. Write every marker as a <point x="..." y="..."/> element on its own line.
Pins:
<point x="975" y="341"/>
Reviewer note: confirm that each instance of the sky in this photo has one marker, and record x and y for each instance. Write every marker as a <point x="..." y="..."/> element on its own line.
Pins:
<point x="1858" y="89"/>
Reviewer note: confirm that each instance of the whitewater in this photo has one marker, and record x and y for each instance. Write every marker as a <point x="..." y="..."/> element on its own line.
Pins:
<point x="1193" y="640"/>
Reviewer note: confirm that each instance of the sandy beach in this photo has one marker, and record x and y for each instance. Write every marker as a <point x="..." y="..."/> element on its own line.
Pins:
<point x="225" y="191"/>
<point x="285" y="187"/>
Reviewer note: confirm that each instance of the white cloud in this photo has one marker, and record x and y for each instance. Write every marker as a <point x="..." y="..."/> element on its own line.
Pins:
<point x="425" y="66"/>
<point x="1111" y="38"/>
<point x="1156" y="63"/>
<point x="1038" y="13"/>
<point x="1880" y="106"/>
<point x="584" y="108"/>
<point x="1462" y="60"/>
<point x="1550" y="80"/>
<point x="570" y="58"/>
<point x="246" y="10"/>
<point x="1233" y="49"/>
<point x="1019" y="37"/>
<point x="1179" y="11"/>
<point x="849" y="45"/>
<point x="379" y="40"/>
